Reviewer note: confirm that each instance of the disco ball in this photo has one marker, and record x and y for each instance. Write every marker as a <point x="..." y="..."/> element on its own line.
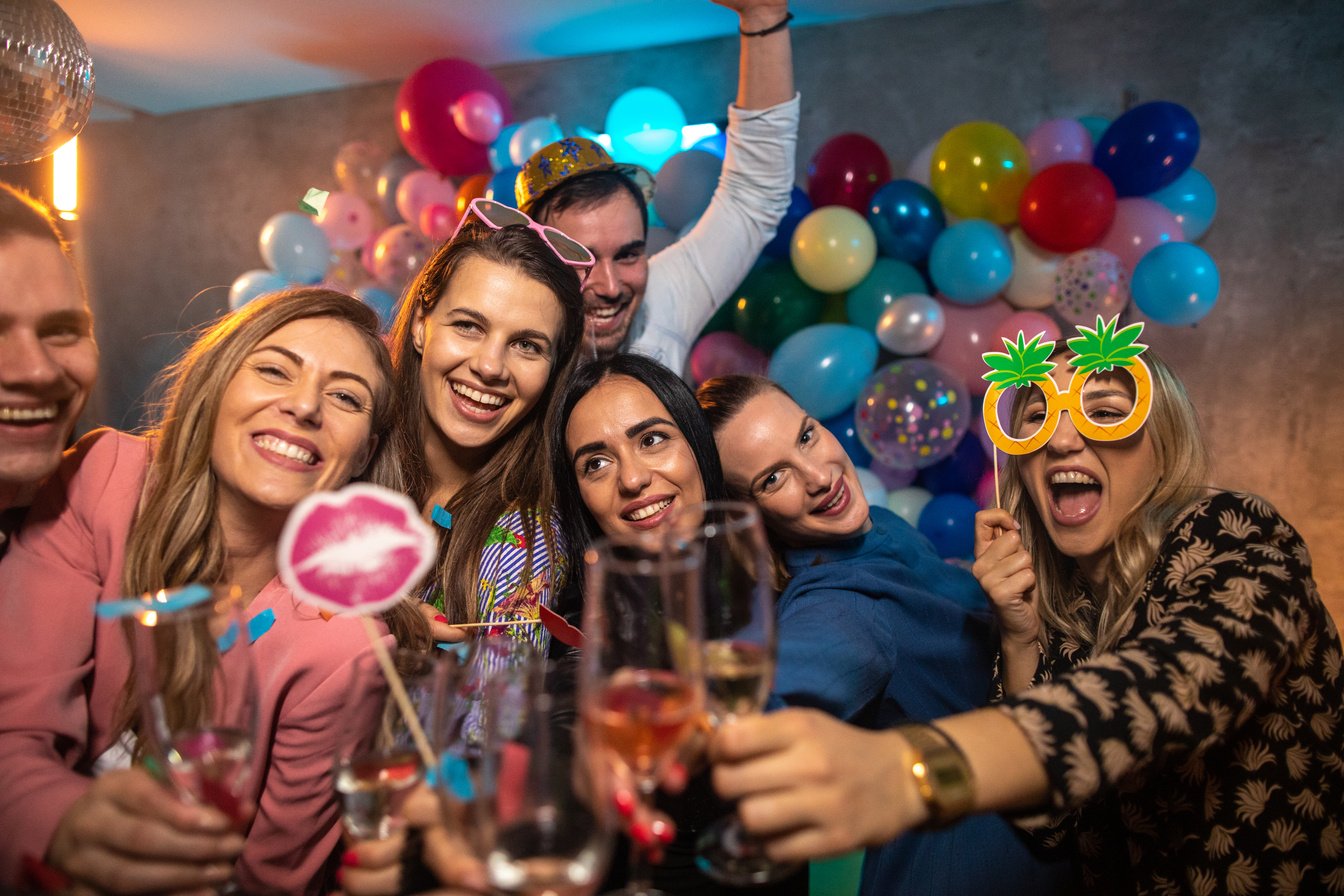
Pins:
<point x="46" y="80"/>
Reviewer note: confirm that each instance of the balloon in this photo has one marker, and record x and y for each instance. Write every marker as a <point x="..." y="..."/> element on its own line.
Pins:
<point x="346" y="219"/>
<point x="1058" y="140"/>
<point x="1096" y="126"/>
<point x="1090" y="283"/>
<point x="421" y="188"/>
<point x="772" y="304"/>
<point x="399" y="253"/>
<point x="1033" y="282"/>
<point x="824" y="366"/>
<point x="720" y="354"/>
<point x="438" y="221"/>
<point x="658" y="239"/>
<point x="381" y="301"/>
<point x="984" y="490"/>
<point x="343" y="270"/>
<point x="967" y="335"/>
<point x="874" y="492"/>
<point x="1176" y="284"/>
<point x="500" y="187"/>
<point x="1029" y="322"/>
<point x="846" y="170"/>
<point x="357" y="166"/>
<point x="979" y="170"/>
<point x="959" y="472"/>
<point x="1192" y="200"/>
<point x="478" y="115"/>
<point x="874" y="294"/>
<point x="847" y="434"/>
<point x="294" y="247"/>
<point x="799" y="207"/>
<point x="685" y="185"/>
<point x="970" y="262"/>
<point x="892" y="477"/>
<point x="645" y="126"/>
<point x="949" y="522"/>
<point x="906" y="218"/>
<point x="425" y="124"/>
<point x="1139" y="225"/>
<point x="715" y="144"/>
<point x="252" y="284"/>
<point x="918" y="169"/>
<point x="1067" y="207"/>
<point x="912" y="325"/>
<point x="389" y="179"/>
<point x="907" y="503"/>
<point x="473" y="187"/>
<point x="531" y="136"/>
<point x="833" y="249"/>
<point x="912" y="413"/>
<point x="498" y="152"/>
<point x="1147" y="148"/>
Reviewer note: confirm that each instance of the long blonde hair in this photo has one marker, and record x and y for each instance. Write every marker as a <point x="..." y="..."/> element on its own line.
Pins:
<point x="1182" y="463"/>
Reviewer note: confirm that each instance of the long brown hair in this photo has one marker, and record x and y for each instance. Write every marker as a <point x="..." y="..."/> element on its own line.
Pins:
<point x="516" y="476"/>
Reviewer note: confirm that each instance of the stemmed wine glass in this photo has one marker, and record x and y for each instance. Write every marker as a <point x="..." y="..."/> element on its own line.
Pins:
<point x="738" y="660"/>
<point x="641" y="689"/>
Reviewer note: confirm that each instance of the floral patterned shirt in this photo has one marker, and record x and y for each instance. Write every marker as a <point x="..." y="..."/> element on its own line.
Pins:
<point x="1204" y="753"/>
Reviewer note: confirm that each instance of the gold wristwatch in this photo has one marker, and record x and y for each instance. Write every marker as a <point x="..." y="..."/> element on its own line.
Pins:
<point x="941" y="773"/>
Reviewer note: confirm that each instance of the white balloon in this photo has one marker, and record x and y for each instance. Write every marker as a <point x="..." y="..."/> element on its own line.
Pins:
<point x="907" y="503"/>
<point x="911" y="325"/>
<point x="1032" y="285"/>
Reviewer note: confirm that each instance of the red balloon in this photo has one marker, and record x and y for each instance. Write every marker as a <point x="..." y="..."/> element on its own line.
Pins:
<point x="424" y="115"/>
<point x="1067" y="207"/>
<point x="847" y="170"/>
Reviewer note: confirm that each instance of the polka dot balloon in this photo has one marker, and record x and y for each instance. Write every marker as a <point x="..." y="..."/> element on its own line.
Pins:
<point x="1088" y="284"/>
<point x="912" y="413"/>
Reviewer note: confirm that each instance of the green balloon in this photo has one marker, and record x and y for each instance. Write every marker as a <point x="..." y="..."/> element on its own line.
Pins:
<point x="773" y="303"/>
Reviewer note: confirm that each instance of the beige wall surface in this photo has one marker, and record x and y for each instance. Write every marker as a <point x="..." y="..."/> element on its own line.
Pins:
<point x="172" y="205"/>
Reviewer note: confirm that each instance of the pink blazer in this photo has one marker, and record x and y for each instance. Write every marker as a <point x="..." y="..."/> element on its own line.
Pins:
<point x="62" y="673"/>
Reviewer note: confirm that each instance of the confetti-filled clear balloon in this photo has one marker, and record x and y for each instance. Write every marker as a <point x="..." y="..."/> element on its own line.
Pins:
<point x="1090" y="283"/>
<point x="912" y="413"/>
<point x="46" y="80"/>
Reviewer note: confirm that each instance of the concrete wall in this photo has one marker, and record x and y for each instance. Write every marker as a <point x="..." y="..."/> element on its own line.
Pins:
<point x="173" y="205"/>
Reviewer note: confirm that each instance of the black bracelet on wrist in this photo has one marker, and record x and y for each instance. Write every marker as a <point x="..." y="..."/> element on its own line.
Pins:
<point x="778" y="26"/>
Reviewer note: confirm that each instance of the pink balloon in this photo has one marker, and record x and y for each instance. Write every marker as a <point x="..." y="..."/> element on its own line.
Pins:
<point x="984" y="490"/>
<point x="968" y="334"/>
<point x="437" y="221"/>
<point x="478" y="115"/>
<point x="722" y="353"/>
<point x="1058" y="140"/>
<point x="1028" y="322"/>
<point x="366" y="252"/>
<point x="1090" y="283"/>
<point x="347" y="221"/>
<point x="1140" y="224"/>
<point x="425" y="124"/>
<point x="421" y="188"/>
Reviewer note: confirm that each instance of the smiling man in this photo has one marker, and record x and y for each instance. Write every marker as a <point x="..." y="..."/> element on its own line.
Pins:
<point x="48" y="357"/>
<point x="657" y="305"/>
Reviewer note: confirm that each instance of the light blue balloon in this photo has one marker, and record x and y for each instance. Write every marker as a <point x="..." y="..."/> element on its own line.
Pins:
<point x="645" y="126"/>
<point x="295" y="247"/>
<point x="873" y="489"/>
<point x="500" y="187"/>
<point x="252" y="284"/>
<point x="1175" y="284"/>
<point x="1192" y="200"/>
<point x="498" y="151"/>
<point x="531" y="136"/>
<point x="381" y="301"/>
<point x="971" y="262"/>
<point x="886" y="282"/>
<point x="1096" y="126"/>
<point x="824" y="366"/>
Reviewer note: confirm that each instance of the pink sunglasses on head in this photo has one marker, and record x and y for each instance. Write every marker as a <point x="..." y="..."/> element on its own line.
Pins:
<point x="497" y="216"/>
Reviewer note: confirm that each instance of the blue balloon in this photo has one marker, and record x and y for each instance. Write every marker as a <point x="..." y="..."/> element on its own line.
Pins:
<point x="949" y="522"/>
<point x="886" y="282"/>
<point x="500" y="187"/>
<point x="498" y="151"/>
<point x="1192" y="200"/>
<point x="252" y="284"/>
<point x="1175" y="284"/>
<point x="971" y="262"/>
<point x="645" y="126"/>
<point x="824" y="366"/>
<point x="715" y="144"/>
<point x="842" y="427"/>
<point x="294" y="247"/>
<point x="1147" y="148"/>
<point x="799" y="207"/>
<point x="906" y="218"/>
<point x="957" y="473"/>
<point x="381" y="301"/>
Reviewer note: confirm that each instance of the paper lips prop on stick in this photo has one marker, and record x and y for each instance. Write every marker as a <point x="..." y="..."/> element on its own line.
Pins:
<point x="355" y="551"/>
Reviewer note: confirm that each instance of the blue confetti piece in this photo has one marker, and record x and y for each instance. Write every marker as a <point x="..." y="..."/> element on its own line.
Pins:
<point x="257" y="626"/>
<point x="226" y="641"/>
<point x="440" y="517"/>
<point x="173" y="599"/>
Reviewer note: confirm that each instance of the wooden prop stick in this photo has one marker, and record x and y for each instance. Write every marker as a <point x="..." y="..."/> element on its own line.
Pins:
<point x="496" y="624"/>
<point x="399" y="694"/>
<point x="998" y="504"/>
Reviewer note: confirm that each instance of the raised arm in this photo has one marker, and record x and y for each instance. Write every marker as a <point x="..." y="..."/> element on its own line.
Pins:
<point x="765" y="68"/>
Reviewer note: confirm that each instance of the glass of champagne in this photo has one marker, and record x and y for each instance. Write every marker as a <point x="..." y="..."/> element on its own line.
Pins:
<point x="197" y="692"/>
<point x="641" y="689"/>
<point x="738" y="597"/>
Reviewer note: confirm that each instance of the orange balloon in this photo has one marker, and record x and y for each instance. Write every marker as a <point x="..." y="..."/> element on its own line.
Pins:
<point x="473" y="187"/>
<point x="979" y="170"/>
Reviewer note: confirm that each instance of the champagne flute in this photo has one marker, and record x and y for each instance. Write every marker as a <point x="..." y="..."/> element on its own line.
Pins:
<point x="197" y="692"/>
<point x="738" y="661"/>
<point x="641" y="689"/>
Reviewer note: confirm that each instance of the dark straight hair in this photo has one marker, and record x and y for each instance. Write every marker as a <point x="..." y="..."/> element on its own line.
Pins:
<point x="587" y="190"/>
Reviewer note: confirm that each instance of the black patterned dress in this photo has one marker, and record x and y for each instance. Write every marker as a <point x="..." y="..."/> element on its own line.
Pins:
<point x="1204" y="753"/>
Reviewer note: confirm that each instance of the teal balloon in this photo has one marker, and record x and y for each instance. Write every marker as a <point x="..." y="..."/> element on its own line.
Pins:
<point x="1175" y="284"/>
<point x="381" y="301"/>
<point x="501" y="184"/>
<point x="498" y="151"/>
<point x="906" y="218"/>
<point x="971" y="262"/>
<point x="773" y="303"/>
<point x="645" y="126"/>
<point x="886" y="282"/>
<point x="1096" y="126"/>
<point x="1192" y="200"/>
<point x="824" y="366"/>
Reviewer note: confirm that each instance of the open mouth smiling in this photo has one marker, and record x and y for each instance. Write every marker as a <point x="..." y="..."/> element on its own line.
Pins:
<point x="279" y="446"/>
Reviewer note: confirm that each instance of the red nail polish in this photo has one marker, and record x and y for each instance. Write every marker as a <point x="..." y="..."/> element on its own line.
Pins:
<point x="640" y="833"/>
<point x="350" y="859"/>
<point x="665" y="832"/>
<point x="441" y="618"/>
<point x="625" y="803"/>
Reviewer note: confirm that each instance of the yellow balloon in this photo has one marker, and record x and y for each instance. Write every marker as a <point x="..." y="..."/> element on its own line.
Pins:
<point x="979" y="170"/>
<point x="833" y="248"/>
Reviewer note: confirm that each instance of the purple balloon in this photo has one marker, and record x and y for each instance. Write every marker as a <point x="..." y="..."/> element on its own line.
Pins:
<point x="912" y="413"/>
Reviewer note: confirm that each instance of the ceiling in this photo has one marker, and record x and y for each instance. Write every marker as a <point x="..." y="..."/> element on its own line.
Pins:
<point x="162" y="56"/>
